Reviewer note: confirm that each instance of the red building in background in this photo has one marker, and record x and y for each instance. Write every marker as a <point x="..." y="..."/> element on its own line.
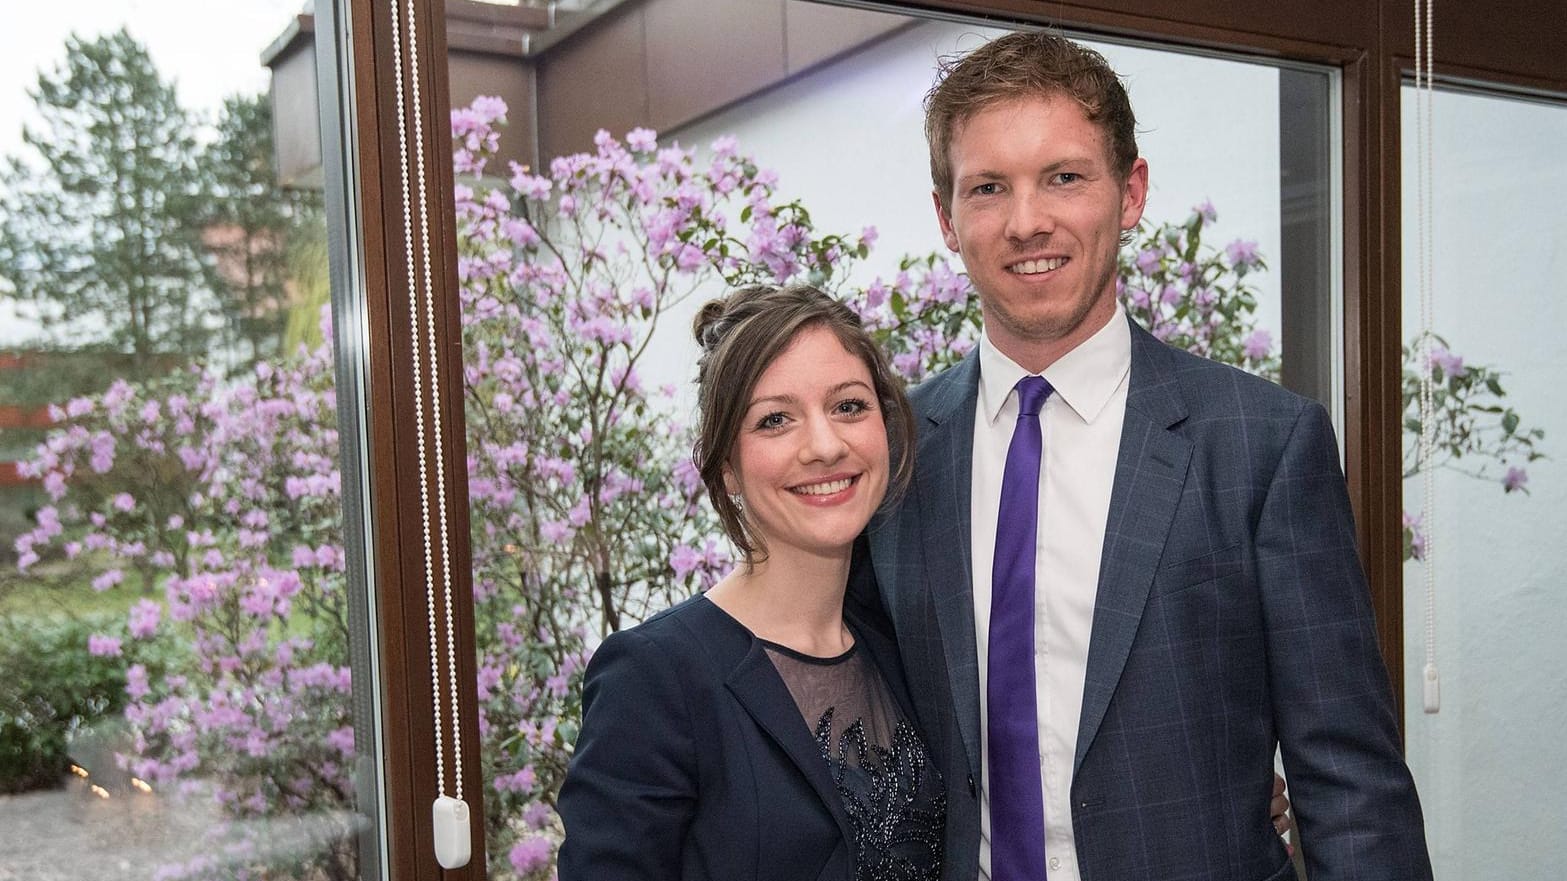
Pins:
<point x="19" y="422"/>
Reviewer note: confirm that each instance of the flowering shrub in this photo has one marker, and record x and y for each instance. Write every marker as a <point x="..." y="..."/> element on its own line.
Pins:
<point x="926" y="317"/>
<point x="229" y="494"/>
<point x="1476" y="433"/>
<point x="587" y="512"/>
<point x="1197" y="298"/>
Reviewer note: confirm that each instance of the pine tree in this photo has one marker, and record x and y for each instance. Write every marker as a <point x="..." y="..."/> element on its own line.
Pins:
<point x="100" y="227"/>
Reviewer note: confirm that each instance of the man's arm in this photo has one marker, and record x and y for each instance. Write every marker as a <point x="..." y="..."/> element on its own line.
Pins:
<point x="1354" y="799"/>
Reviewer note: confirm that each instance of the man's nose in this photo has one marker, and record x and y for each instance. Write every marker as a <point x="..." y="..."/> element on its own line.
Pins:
<point x="1032" y="215"/>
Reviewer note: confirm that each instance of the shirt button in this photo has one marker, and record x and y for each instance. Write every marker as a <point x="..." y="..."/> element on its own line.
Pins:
<point x="973" y="790"/>
<point x="1055" y="864"/>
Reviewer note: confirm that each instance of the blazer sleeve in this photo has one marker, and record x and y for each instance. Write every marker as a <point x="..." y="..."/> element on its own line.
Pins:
<point x="630" y="791"/>
<point x="1353" y="796"/>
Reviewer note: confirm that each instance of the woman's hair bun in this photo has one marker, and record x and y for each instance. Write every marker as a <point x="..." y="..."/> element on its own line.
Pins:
<point x="709" y="325"/>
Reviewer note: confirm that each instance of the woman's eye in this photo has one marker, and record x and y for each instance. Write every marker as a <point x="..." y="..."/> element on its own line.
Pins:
<point x="852" y="406"/>
<point x="770" y="421"/>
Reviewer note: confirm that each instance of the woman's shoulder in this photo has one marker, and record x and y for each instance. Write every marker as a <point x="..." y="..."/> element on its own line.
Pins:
<point x="694" y="631"/>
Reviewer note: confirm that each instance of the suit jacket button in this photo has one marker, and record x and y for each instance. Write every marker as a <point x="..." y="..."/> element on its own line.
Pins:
<point x="972" y="789"/>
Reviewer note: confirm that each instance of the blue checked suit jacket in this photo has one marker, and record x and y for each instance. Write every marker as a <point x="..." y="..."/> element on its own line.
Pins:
<point x="1232" y="615"/>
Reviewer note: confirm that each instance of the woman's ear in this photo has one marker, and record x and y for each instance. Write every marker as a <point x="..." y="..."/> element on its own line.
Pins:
<point x="731" y="485"/>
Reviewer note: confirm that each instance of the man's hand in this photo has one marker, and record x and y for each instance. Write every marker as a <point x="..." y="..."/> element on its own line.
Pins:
<point x="1279" y="807"/>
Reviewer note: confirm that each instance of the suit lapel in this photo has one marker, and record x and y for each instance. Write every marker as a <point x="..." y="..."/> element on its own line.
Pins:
<point x="758" y="688"/>
<point x="1150" y="474"/>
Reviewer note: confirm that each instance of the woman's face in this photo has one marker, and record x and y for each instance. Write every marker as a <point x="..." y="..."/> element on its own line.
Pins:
<point x="811" y="460"/>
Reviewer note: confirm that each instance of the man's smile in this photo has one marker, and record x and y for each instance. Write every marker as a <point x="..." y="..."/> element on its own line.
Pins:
<point x="1037" y="267"/>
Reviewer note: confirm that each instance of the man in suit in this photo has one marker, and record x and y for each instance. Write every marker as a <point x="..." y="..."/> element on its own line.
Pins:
<point x="1123" y="574"/>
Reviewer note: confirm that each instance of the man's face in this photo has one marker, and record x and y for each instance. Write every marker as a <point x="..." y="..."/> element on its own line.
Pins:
<point x="1037" y="215"/>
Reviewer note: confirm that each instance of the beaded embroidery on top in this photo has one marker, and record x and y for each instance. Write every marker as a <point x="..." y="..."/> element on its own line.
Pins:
<point x="894" y="798"/>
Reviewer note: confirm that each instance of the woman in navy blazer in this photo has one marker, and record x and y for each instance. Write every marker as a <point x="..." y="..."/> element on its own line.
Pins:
<point x="762" y="731"/>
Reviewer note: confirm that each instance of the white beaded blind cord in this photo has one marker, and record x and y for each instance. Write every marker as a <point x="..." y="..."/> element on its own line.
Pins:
<point x="435" y="387"/>
<point x="1424" y="21"/>
<point x="449" y="815"/>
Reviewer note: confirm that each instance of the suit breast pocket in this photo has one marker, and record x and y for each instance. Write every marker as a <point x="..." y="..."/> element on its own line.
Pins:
<point x="1196" y="571"/>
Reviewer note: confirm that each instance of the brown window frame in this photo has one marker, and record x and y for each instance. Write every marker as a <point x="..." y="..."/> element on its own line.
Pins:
<point x="363" y="86"/>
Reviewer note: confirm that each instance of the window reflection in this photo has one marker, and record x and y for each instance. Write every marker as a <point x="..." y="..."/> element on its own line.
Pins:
<point x="175" y="674"/>
<point x="1499" y="482"/>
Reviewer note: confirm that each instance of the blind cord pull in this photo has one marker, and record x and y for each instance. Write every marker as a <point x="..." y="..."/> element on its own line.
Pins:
<point x="450" y="818"/>
<point x="1424" y="24"/>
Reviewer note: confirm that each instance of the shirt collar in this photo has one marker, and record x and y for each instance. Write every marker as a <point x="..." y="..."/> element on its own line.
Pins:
<point x="1085" y="378"/>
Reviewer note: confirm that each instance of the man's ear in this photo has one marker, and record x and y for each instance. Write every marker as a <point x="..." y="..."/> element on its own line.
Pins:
<point x="948" y="234"/>
<point x="1134" y="194"/>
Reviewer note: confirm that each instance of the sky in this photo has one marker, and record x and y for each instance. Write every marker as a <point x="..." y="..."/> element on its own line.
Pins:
<point x="209" y="50"/>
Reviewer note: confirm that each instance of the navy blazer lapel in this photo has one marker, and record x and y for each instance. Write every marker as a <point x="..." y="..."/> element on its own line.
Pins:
<point x="944" y="479"/>
<point x="755" y="683"/>
<point x="1150" y="474"/>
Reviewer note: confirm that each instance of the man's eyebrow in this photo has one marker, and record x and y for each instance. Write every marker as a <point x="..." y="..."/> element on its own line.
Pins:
<point x="986" y="174"/>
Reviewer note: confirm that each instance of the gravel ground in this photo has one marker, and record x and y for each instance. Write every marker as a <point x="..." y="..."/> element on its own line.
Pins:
<point x="71" y="834"/>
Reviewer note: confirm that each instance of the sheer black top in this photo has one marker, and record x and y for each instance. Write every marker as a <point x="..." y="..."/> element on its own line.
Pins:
<point x="891" y="791"/>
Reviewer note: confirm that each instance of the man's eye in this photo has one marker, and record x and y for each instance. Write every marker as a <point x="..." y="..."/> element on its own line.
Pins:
<point x="1068" y="177"/>
<point x="987" y="189"/>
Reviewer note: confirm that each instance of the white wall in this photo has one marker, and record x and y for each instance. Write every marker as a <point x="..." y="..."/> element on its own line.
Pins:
<point x="1490" y="765"/>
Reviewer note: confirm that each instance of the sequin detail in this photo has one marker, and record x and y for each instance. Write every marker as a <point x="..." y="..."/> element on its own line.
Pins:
<point x="894" y="799"/>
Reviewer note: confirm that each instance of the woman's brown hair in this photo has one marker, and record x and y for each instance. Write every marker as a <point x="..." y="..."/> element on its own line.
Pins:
<point x="741" y="335"/>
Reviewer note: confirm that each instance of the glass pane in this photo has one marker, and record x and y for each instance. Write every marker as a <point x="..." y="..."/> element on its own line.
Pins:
<point x="1499" y="483"/>
<point x="788" y="149"/>
<point x="176" y="676"/>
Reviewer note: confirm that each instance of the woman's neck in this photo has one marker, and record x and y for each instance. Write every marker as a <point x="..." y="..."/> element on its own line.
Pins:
<point x="793" y="599"/>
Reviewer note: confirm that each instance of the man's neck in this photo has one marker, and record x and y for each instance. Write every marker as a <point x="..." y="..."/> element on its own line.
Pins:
<point x="1035" y="355"/>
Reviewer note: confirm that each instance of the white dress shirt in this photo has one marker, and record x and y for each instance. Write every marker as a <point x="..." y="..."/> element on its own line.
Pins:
<point x="1081" y="424"/>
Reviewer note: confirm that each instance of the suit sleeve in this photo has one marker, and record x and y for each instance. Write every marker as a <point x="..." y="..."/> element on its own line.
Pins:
<point x="631" y="788"/>
<point x="1354" y="798"/>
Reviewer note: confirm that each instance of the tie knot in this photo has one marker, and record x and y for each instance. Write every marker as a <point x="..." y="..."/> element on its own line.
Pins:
<point x="1031" y="394"/>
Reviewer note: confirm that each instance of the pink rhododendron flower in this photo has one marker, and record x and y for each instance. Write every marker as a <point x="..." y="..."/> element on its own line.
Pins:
<point x="103" y="646"/>
<point x="1241" y="253"/>
<point x="144" y="618"/>
<point x="530" y="855"/>
<point x="641" y="140"/>
<point x="1258" y="345"/>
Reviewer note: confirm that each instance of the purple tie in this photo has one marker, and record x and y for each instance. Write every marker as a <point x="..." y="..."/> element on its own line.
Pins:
<point x="1017" y="810"/>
